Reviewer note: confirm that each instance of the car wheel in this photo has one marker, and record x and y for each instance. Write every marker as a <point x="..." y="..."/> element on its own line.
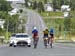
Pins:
<point x="29" y="45"/>
<point x="14" y="45"/>
<point x="10" y="45"/>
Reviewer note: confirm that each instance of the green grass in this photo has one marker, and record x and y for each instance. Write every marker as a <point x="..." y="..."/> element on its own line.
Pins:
<point x="42" y="0"/>
<point x="47" y="14"/>
<point x="73" y="13"/>
<point x="50" y="22"/>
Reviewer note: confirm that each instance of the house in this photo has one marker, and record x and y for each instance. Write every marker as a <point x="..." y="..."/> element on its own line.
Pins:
<point x="13" y="12"/>
<point x="17" y="1"/>
<point x="48" y="7"/>
<point x="2" y="23"/>
<point x="66" y="14"/>
<point x="65" y="8"/>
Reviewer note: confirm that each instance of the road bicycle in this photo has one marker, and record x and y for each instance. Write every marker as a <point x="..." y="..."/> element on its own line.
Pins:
<point x="45" y="42"/>
<point x="35" y="42"/>
<point x="51" y="42"/>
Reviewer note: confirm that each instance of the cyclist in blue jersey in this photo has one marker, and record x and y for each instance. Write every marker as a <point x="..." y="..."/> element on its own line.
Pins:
<point x="51" y="38"/>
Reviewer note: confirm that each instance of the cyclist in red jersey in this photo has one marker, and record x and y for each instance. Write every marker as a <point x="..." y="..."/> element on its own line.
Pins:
<point x="35" y="37"/>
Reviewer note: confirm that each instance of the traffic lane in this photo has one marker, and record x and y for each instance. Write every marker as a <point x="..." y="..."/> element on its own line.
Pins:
<point x="20" y="51"/>
<point x="40" y="51"/>
<point x="34" y="20"/>
<point x="66" y="45"/>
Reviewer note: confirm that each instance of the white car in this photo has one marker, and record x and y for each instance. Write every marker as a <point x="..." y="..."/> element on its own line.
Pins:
<point x="20" y="39"/>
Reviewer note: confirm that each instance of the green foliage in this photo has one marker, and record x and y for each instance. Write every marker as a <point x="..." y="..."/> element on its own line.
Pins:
<point x="45" y="1"/>
<point x="4" y="5"/>
<point x="21" y="10"/>
<point x="11" y="23"/>
<point x="2" y="31"/>
<point x="58" y="3"/>
<point x="54" y="4"/>
<point x="61" y="25"/>
<point x="47" y="14"/>
<point x="3" y="14"/>
<point x="34" y="5"/>
<point x="67" y="23"/>
<point x="40" y="7"/>
<point x="26" y="3"/>
<point x="72" y="4"/>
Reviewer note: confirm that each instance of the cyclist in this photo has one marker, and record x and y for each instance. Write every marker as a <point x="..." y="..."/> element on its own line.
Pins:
<point x="45" y="37"/>
<point x="51" y="38"/>
<point x="35" y="36"/>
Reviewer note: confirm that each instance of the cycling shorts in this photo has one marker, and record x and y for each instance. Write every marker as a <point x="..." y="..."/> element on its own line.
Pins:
<point x="45" y="36"/>
<point x="52" y="35"/>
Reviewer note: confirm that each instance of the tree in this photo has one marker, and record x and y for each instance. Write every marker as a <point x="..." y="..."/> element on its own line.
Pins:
<point x="4" y="5"/>
<point x="34" y="5"/>
<point x="72" y="4"/>
<point x="21" y="10"/>
<point x="67" y="24"/>
<point x="61" y="2"/>
<point x="45" y="1"/>
<point x="26" y="3"/>
<point x="59" y="27"/>
<point x="40" y="7"/>
<point x="31" y="4"/>
<point x="11" y="23"/>
<point x="57" y="3"/>
<point x="54" y="4"/>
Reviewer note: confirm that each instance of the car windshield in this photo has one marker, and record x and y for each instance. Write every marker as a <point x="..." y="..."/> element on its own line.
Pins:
<point x="21" y="36"/>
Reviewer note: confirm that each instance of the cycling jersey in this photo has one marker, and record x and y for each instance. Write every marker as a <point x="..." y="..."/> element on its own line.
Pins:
<point x="45" y="33"/>
<point x="52" y="33"/>
<point x="35" y="33"/>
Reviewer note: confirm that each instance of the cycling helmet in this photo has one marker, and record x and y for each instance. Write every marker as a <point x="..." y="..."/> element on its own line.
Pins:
<point x="34" y="28"/>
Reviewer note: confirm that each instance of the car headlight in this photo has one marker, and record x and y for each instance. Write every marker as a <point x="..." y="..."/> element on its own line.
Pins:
<point x="28" y="40"/>
<point x="14" y="41"/>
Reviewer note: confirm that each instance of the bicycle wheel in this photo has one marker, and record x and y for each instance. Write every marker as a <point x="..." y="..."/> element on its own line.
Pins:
<point x="45" y="43"/>
<point x="51" y="41"/>
<point x="51" y="45"/>
<point x="35" y="42"/>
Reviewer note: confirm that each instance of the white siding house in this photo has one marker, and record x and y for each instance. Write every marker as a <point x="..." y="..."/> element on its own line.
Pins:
<point x="17" y="1"/>
<point x="14" y="11"/>
<point x="2" y="23"/>
<point x="65" y="8"/>
<point x="48" y="7"/>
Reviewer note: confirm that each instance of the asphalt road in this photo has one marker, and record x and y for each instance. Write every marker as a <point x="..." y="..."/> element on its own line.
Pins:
<point x="34" y="19"/>
<point x="57" y="50"/>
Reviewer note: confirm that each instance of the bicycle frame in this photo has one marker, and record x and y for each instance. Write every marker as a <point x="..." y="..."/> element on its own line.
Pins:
<point x="35" y="42"/>
<point x="45" y="42"/>
<point x="51" y="42"/>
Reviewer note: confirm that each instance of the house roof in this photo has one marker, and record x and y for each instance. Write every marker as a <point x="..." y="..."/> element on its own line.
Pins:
<point x="14" y="11"/>
<point x="65" y="6"/>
